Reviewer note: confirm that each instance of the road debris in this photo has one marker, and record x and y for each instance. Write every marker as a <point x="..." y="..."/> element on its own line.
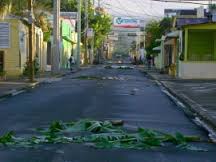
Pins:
<point x="100" y="134"/>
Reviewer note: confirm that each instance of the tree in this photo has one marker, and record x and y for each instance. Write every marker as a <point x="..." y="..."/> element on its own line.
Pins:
<point x="212" y="7"/>
<point x="19" y="8"/>
<point x="101" y="22"/>
<point x="155" y="30"/>
<point x="5" y="7"/>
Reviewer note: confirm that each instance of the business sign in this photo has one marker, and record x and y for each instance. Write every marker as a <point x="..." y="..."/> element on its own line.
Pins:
<point x="69" y="15"/>
<point x="126" y="22"/>
<point x="90" y="33"/>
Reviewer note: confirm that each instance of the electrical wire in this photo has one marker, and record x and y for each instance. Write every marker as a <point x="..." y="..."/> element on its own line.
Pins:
<point x="185" y="2"/>
<point x="122" y="8"/>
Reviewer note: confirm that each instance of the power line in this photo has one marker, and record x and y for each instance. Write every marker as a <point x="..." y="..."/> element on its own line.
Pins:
<point x="185" y="2"/>
<point x="122" y="8"/>
<point x="120" y="14"/>
<point x="139" y="6"/>
<point x="150" y="3"/>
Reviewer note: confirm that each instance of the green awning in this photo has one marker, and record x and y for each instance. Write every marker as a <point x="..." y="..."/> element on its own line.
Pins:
<point x="68" y="39"/>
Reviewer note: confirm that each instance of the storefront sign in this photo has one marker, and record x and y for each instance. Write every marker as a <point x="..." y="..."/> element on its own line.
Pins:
<point x="126" y="22"/>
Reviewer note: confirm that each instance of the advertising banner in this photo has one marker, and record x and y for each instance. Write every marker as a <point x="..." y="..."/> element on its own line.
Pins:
<point x="126" y="22"/>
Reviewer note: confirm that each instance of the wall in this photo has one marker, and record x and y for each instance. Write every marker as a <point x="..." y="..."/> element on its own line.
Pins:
<point x="197" y="70"/>
<point x="199" y="43"/>
<point x="40" y="48"/>
<point x="14" y="57"/>
<point x="66" y="34"/>
<point x="23" y="44"/>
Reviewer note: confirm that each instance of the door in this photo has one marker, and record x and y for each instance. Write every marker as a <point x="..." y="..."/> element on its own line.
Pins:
<point x="1" y="60"/>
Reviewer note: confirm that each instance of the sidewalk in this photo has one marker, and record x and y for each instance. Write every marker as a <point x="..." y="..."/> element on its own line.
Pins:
<point x="14" y="87"/>
<point x="199" y="96"/>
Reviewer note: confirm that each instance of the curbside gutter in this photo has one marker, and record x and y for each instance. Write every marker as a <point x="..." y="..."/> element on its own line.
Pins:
<point x="191" y="107"/>
<point x="18" y="91"/>
<point x="194" y="107"/>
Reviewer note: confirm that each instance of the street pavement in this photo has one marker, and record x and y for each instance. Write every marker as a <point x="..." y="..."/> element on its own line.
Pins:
<point x="131" y="97"/>
<point x="198" y="95"/>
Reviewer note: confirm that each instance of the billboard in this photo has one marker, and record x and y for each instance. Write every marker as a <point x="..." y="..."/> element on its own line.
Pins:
<point x="126" y="22"/>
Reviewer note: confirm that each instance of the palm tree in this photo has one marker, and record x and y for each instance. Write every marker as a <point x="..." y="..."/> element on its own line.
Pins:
<point x="5" y="8"/>
<point x="20" y="8"/>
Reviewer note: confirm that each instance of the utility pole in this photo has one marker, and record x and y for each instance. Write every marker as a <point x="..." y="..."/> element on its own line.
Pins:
<point x="99" y="51"/>
<point x="99" y="4"/>
<point x="31" y="32"/>
<point x="86" y="30"/>
<point x="78" y="32"/>
<point x="56" y="38"/>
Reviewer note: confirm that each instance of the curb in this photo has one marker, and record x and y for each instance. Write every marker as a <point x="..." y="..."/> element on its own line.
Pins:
<point x="18" y="91"/>
<point x="196" y="109"/>
<point x="23" y="89"/>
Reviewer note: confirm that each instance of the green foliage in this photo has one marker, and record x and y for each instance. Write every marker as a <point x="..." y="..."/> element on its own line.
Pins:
<point x="47" y="36"/>
<point x="19" y="8"/>
<point x="212" y="6"/>
<point x="84" y="77"/>
<point x="4" y="7"/>
<point x="100" y="134"/>
<point x="7" y="138"/>
<point x="101" y="22"/>
<point x="155" y="30"/>
<point x="2" y="72"/>
<point x="26" y="71"/>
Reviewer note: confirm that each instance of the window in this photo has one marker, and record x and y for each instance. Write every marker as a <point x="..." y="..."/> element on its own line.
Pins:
<point x="201" y="45"/>
<point x="4" y="35"/>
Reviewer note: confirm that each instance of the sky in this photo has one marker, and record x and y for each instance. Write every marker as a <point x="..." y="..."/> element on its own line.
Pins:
<point x="142" y="9"/>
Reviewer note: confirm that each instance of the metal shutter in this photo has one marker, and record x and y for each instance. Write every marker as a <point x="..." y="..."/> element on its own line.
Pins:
<point x="201" y="45"/>
<point x="4" y="35"/>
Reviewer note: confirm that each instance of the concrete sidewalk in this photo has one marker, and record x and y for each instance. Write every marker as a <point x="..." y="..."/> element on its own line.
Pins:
<point x="199" y="96"/>
<point x="14" y="87"/>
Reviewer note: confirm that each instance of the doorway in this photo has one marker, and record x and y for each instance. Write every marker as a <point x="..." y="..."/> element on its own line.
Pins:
<point x="1" y="60"/>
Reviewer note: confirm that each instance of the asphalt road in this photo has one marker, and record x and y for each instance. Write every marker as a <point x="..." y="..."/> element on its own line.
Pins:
<point x="72" y="99"/>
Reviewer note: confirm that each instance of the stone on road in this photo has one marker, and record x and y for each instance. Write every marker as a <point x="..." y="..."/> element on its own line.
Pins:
<point x="133" y="98"/>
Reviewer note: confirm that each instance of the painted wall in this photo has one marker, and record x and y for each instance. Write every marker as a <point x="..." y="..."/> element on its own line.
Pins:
<point x="158" y="61"/>
<point x="197" y="70"/>
<point x="194" y="43"/>
<point x="203" y="36"/>
<point x="15" y="56"/>
<point x="67" y="38"/>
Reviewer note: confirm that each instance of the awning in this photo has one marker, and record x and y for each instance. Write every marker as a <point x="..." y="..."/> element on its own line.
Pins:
<point x="68" y="39"/>
<point x="161" y="39"/>
<point x="157" y="48"/>
<point x="173" y="34"/>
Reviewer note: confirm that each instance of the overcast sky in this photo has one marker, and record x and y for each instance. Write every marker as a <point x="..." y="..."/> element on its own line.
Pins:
<point x="145" y="9"/>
